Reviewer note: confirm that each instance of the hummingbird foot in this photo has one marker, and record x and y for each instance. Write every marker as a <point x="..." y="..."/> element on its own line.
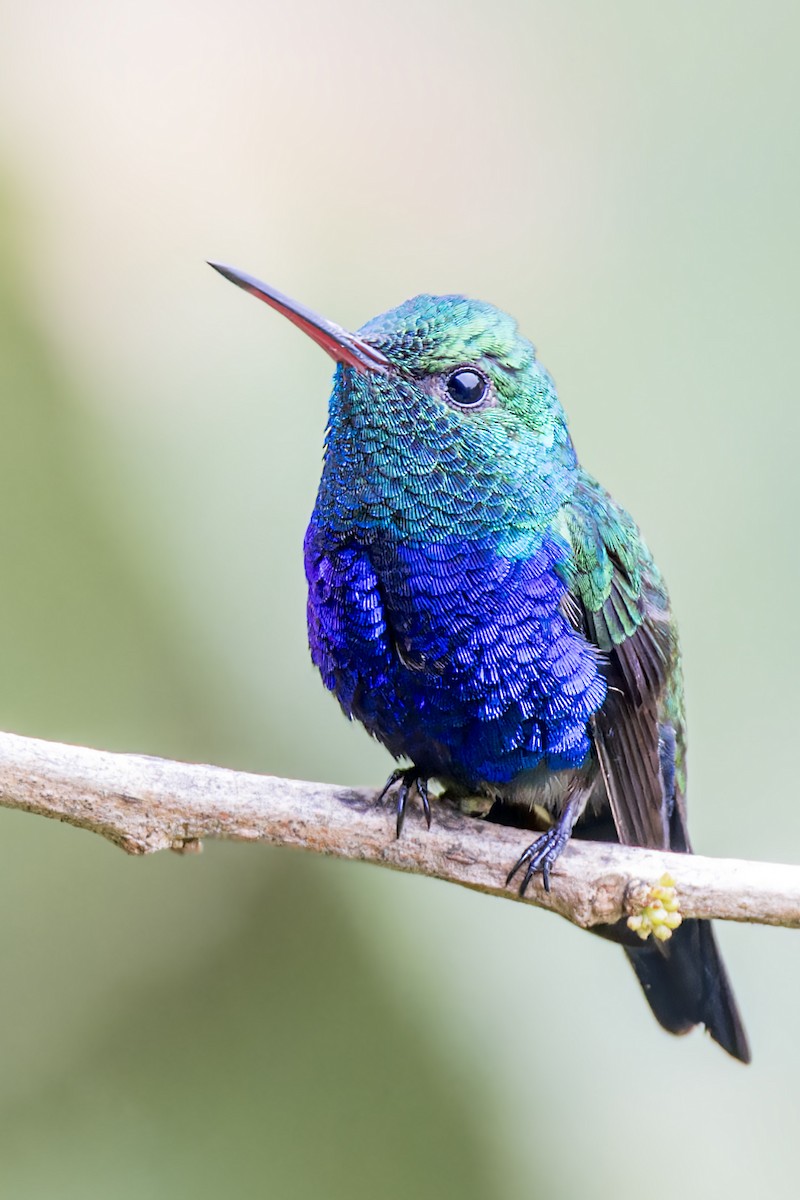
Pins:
<point x="410" y="782"/>
<point x="539" y="858"/>
<point x="542" y="854"/>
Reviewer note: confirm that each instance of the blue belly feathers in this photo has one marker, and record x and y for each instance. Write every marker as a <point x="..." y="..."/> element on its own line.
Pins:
<point x="453" y="655"/>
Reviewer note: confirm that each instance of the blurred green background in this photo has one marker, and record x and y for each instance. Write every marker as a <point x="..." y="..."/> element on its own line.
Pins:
<point x="623" y="177"/>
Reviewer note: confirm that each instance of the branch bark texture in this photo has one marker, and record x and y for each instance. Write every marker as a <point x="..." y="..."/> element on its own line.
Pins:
<point x="146" y="804"/>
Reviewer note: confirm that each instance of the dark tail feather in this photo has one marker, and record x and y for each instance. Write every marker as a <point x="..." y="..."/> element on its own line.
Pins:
<point x="684" y="979"/>
<point x="685" y="982"/>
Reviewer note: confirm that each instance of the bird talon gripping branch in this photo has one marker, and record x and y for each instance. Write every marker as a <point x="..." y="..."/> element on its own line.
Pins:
<point x="660" y="915"/>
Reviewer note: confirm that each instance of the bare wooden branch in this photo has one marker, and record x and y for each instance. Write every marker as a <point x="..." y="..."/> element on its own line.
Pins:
<point x="147" y="804"/>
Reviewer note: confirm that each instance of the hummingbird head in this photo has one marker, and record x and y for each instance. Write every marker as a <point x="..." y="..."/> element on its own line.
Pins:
<point x="442" y="422"/>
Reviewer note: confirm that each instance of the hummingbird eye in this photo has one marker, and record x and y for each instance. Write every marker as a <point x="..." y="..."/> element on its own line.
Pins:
<point x="466" y="387"/>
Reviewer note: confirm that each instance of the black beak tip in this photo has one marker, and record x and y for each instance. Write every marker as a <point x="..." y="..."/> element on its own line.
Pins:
<point x="223" y="270"/>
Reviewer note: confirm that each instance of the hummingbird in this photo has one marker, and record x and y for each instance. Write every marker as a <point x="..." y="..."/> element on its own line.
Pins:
<point x="490" y="615"/>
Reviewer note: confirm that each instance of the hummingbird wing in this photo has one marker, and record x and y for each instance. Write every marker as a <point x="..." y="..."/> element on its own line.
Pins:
<point x="624" y="611"/>
<point x="623" y="608"/>
<point x="628" y="731"/>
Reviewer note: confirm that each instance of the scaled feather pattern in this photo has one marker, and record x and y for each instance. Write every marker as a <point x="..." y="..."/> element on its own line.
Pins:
<point x="489" y="613"/>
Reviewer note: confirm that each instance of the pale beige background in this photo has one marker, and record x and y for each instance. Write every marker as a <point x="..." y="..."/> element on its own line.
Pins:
<point x="624" y="178"/>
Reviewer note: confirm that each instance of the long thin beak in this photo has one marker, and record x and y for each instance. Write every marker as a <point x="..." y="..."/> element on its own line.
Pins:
<point x="342" y="346"/>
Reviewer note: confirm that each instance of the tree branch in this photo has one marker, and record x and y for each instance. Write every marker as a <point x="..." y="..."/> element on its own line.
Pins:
<point x="148" y="804"/>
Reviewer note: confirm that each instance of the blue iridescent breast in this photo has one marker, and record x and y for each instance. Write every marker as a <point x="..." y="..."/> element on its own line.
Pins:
<point x="453" y="654"/>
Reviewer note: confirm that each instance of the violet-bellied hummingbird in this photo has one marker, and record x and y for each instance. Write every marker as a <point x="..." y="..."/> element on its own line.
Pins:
<point x="487" y="611"/>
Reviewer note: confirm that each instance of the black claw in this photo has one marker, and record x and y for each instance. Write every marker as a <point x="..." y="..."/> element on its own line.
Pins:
<point x="517" y="866"/>
<point x="422" y="792"/>
<point x="402" y="800"/>
<point x="390" y="782"/>
<point x="543" y="853"/>
<point x="409" y="782"/>
<point x="539" y="858"/>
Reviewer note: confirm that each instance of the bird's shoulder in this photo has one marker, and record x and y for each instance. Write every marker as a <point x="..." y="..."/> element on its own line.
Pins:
<point x="622" y="606"/>
<point x="609" y="567"/>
